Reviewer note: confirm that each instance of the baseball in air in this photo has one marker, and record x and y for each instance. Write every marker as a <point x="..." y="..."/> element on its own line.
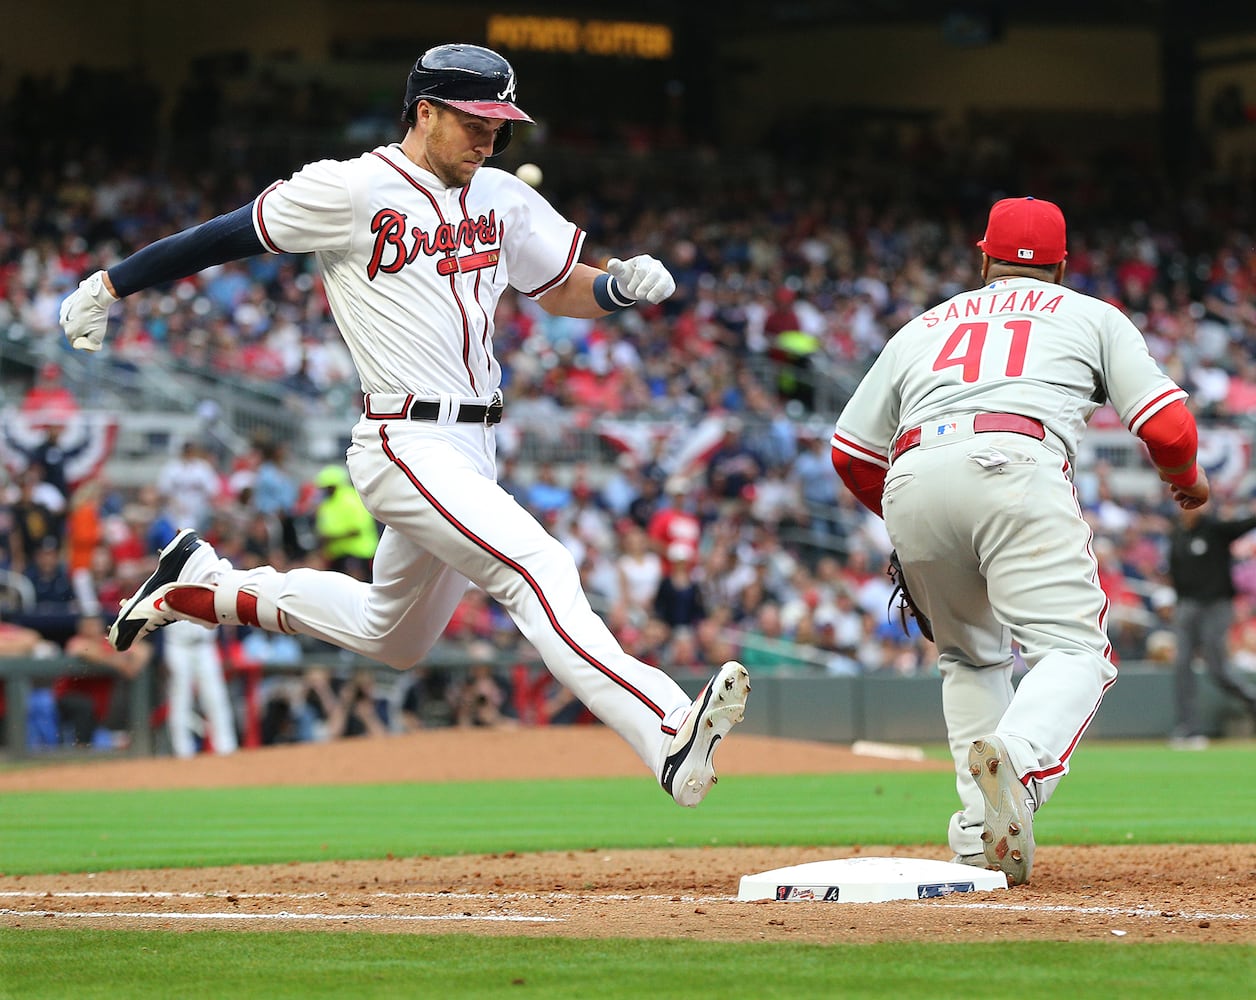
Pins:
<point x="530" y="174"/>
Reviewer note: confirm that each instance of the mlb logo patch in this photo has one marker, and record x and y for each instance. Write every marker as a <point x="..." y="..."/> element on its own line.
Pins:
<point x="1025" y="254"/>
<point x="945" y="429"/>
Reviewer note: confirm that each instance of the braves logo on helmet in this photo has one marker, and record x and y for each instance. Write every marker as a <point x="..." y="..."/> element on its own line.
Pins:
<point x="470" y="78"/>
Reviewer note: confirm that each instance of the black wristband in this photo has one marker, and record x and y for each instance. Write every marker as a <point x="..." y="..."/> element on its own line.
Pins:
<point x="608" y="294"/>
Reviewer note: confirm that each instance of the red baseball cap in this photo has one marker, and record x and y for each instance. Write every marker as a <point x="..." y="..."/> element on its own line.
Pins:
<point x="1025" y="231"/>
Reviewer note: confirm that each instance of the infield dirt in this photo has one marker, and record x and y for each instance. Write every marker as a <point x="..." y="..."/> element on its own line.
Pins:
<point x="1171" y="892"/>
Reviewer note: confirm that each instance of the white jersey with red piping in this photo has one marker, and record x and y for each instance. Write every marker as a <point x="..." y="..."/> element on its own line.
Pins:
<point x="413" y="269"/>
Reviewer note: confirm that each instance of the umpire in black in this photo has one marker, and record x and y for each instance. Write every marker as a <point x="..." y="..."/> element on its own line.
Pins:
<point x="1200" y="569"/>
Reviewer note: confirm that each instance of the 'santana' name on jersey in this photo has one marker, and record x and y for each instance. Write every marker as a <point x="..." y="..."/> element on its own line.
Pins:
<point x="1017" y="301"/>
<point x="391" y="253"/>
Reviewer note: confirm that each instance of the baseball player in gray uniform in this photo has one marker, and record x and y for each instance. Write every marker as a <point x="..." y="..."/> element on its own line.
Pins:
<point x="416" y="243"/>
<point x="963" y="436"/>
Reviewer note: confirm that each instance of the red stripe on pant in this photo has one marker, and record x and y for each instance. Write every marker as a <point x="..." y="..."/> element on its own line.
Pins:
<point x="198" y="602"/>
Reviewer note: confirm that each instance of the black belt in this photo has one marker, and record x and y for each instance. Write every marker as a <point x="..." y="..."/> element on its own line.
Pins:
<point x="468" y="413"/>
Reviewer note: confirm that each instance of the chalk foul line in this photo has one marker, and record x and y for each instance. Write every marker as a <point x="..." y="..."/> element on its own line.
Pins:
<point x="283" y="915"/>
<point x="952" y="902"/>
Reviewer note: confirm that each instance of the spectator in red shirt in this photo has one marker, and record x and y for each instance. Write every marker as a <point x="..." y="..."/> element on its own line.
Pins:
<point x="673" y="528"/>
<point x="783" y="316"/>
<point x="49" y="397"/>
<point x="472" y="618"/>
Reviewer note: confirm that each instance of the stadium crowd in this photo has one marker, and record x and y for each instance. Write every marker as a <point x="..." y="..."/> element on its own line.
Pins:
<point x="788" y="283"/>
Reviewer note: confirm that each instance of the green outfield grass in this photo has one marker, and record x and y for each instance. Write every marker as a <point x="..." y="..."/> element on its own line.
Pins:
<point x="1117" y="794"/>
<point x="158" y="965"/>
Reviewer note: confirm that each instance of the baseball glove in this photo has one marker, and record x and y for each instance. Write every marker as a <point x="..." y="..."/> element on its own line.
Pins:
<point x="906" y="603"/>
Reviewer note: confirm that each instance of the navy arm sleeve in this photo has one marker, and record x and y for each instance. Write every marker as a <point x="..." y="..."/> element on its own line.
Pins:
<point x="228" y="237"/>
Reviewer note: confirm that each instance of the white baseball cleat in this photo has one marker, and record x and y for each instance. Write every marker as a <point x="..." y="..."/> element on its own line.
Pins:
<point x="975" y="860"/>
<point x="145" y="611"/>
<point x="1008" y="832"/>
<point x="688" y="771"/>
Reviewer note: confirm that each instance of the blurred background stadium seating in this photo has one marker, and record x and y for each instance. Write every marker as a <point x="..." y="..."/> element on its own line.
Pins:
<point x="813" y="172"/>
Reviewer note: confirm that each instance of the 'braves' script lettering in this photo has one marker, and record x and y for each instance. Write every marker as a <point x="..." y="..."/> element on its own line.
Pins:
<point x="395" y="246"/>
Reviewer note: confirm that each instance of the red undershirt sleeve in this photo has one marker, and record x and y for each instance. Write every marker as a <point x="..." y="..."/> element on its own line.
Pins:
<point x="1173" y="441"/>
<point x="864" y="479"/>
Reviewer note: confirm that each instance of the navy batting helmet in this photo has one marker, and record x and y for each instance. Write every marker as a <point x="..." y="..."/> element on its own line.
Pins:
<point x="470" y="78"/>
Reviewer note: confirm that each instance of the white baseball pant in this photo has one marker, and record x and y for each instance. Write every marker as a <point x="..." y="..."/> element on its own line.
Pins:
<point x="195" y="667"/>
<point x="446" y="522"/>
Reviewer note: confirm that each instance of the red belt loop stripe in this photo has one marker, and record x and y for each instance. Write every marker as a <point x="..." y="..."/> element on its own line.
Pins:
<point x="983" y="423"/>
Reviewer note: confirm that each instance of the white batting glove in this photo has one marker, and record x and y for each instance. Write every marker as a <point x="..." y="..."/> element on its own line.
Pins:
<point x="642" y="277"/>
<point x="85" y="313"/>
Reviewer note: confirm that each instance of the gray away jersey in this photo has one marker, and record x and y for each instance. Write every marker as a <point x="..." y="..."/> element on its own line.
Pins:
<point x="1017" y="345"/>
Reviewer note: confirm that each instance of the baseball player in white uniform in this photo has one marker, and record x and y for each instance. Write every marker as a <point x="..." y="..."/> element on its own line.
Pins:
<point x="196" y="673"/>
<point x="963" y="436"/>
<point x="416" y="242"/>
